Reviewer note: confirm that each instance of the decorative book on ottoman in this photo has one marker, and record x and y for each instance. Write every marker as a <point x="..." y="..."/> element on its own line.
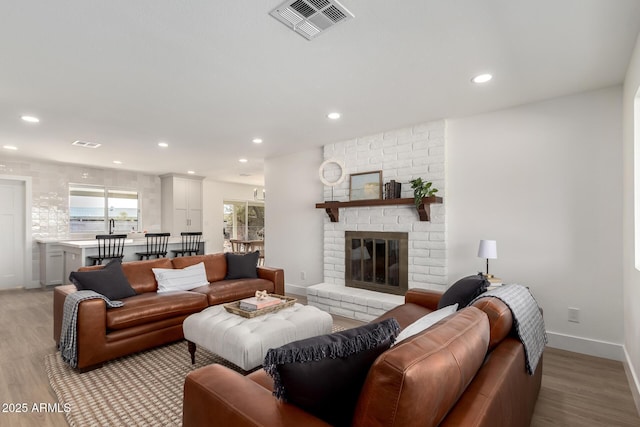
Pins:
<point x="253" y="303"/>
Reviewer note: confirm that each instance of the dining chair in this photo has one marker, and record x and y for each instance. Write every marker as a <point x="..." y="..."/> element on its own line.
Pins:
<point x="190" y="243"/>
<point x="110" y="246"/>
<point x="156" y="245"/>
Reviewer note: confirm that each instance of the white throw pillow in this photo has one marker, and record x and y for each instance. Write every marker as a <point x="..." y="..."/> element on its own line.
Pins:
<point x="185" y="279"/>
<point x="425" y="322"/>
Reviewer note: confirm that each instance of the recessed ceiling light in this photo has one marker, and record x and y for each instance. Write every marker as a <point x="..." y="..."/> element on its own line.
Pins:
<point x="30" y="119"/>
<point x="117" y="162"/>
<point x="482" y="78"/>
<point x="243" y="160"/>
<point x="333" y="116"/>
<point x="191" y="172"/>
<point x="257" y="140"/>
<point x="163" y="144"/>
<point x="10" y="147"/>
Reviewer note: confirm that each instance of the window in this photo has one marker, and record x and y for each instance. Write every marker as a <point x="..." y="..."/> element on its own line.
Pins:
<point x="91" y="208"/>
<point x="243" y="221"/>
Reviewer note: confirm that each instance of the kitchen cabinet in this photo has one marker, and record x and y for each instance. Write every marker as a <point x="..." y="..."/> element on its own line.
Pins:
<point x="181" y="203"/>
<point x="51" y="263"/>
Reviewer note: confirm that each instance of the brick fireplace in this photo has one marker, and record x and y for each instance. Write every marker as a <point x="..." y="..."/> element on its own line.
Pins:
<point x="401" y="155"/>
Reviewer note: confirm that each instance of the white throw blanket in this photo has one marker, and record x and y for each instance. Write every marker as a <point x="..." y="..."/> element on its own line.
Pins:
<point x="69" y="333"/>
<point x="527" y="320"/>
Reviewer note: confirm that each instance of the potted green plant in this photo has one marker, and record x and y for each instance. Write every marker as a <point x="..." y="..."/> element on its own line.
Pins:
<point x="422" y="189"/>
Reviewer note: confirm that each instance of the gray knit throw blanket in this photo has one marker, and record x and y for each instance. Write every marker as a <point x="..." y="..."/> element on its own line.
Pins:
<point x="69" y="333"/>
<point x="527" y="320"/>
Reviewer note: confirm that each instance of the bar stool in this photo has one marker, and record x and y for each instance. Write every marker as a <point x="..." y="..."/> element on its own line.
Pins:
<point x="190" y="243"/>
<point x="156" y="245"/>
<point x="110" y="246"/>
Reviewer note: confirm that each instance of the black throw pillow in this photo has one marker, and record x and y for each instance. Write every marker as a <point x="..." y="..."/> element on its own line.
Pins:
<point x="464" y="290"/>
<point x="109" y="281"/>
<point x="324" y="375"/>
<point x="242" y="266"/>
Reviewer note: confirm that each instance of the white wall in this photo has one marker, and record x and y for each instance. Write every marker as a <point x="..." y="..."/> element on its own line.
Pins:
<point x="214" y="194"/>
<point x="292" y="224"/>
<point x="631" y="274"/>
<point x="544" y="180"/>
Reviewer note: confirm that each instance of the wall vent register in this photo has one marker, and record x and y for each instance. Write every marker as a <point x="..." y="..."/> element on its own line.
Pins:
<point x="310" y="18"/>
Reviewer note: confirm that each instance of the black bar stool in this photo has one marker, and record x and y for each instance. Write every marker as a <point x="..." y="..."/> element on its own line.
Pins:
<point x="156" y="245"/>
<point x="110" y="246"/>
<point x="190" y="243"/>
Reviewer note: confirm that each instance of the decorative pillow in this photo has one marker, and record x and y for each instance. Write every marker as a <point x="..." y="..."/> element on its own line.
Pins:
<point x="242" y="266"/>
<point x="180" y="279"/>
<point x="109" y="281"/>
<point x="425" y="322"/>
<point x="464" y="291"/>
<point x="324" y="375"/>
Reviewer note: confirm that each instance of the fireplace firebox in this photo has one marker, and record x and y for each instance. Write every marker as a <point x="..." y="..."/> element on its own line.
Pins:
<point x="377" y="261"/>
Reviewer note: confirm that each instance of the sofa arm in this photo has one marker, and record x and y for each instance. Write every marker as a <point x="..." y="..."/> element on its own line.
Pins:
<point x="59" y="295"/>
<point x="424" y="297"/>
<point x="216" y="395"/>
<point x="275" y="275"/>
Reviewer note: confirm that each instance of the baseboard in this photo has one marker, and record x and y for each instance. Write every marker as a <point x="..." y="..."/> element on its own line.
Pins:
<point x="607" y="350"/>
<point x="295" y="289"/>
<point x="634" y="384"/>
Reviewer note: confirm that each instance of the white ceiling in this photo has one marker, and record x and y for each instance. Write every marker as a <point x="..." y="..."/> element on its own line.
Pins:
<point x="208" y="76"/>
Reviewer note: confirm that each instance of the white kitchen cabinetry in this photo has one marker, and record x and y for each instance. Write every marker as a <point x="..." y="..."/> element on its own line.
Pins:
<point x="181" y="203"/>
<point x="51" y="263"/>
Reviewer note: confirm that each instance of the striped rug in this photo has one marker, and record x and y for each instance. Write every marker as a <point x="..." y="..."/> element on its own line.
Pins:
<point x="143" y="389"/>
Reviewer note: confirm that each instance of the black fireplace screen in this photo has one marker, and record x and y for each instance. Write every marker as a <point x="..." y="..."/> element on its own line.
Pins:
<point x="377" y="261"/>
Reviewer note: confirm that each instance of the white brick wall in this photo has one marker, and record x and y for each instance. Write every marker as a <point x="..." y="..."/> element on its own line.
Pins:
<point x="401" y="154"/>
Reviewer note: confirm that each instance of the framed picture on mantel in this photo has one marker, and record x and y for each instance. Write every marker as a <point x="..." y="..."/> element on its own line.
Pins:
<point x="365" y="186"/>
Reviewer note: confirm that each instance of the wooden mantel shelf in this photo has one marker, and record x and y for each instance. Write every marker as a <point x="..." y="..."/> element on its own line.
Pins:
<point x="424" y="211"/>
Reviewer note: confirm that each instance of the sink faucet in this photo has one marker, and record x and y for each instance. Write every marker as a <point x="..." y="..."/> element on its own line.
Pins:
<point x="112" y="225"/>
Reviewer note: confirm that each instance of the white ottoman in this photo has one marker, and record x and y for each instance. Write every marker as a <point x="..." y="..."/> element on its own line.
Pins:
<point x="245" y="342"/>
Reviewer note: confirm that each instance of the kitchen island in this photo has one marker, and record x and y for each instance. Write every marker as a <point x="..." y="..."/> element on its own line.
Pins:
<point x="75" y="252"/>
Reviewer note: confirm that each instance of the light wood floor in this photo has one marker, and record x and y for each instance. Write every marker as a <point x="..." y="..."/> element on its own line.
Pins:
<point x="577" y="390"/>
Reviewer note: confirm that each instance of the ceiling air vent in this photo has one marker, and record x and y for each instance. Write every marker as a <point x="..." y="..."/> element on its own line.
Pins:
<point x="310" y="18"/>
<point x="86" y="144"/>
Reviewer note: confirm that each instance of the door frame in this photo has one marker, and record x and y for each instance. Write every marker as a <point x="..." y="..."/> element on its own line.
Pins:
<point x="28" y="243"/>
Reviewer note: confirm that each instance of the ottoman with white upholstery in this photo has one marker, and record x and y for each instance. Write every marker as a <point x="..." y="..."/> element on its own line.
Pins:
<point x="245" y="342"/>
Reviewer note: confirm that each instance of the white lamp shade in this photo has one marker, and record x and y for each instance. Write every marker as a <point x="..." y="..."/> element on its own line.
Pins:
<point x="488" y="249"/>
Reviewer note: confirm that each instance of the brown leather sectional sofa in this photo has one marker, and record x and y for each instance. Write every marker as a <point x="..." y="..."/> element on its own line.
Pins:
<point x="149" y="319"/>
<point x="466" y="370"/>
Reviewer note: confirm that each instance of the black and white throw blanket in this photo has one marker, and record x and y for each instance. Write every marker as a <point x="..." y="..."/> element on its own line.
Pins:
<point x="69" y="333"/>
<point x="527" y="320"/>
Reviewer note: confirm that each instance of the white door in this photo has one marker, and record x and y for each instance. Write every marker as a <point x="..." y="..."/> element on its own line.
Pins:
<point x="12" y="243"/>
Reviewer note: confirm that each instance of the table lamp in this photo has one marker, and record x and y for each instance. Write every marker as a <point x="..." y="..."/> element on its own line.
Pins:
<point x="488" y="250"/>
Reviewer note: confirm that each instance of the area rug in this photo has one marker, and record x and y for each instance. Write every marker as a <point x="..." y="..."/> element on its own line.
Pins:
<point x="143" y="389"/>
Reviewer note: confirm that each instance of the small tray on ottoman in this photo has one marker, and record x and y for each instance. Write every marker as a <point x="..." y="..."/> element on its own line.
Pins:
<point x="234" y="307"/>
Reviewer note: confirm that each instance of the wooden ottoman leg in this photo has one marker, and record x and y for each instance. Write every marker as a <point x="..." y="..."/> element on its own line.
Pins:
<point x="192" y="351"/>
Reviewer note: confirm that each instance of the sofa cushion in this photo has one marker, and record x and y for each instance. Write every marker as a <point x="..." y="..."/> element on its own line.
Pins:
<point x="464" y="291"/>
<point x="152" y="307"/>
<point x="323" y="375"/>
<point x="180" y="279"/>
<point x="233" y="290"/>
<point x="425" y="322"/>
<point x="109" y="281"/>
<point x="242" y="266"/>
<point x="422" y="377"/>
<point x="139" y="273"/>
<point x="214" y="264"/>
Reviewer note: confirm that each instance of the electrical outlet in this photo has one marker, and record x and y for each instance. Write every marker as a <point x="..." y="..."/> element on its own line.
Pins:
<point x="303" y="275"/>
<point x="574" y="315"/>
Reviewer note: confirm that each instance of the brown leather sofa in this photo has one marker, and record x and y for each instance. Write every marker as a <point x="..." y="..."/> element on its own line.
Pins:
<point x="149" y="319"/>
<point x="466" y="370"/>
